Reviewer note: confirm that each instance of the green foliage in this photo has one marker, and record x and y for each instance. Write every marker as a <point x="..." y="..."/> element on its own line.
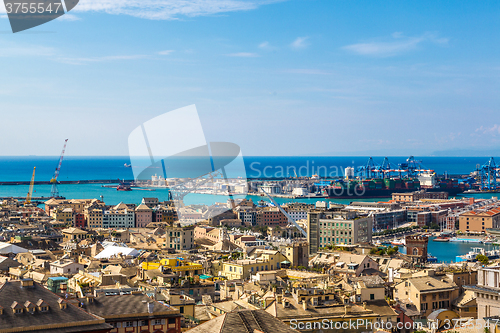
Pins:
<point x="483" y="259"/>
<point x="393" y="231"/>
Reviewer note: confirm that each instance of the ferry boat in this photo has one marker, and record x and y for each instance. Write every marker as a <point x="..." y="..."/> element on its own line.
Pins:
<point x="398" y="242"/>
<point x="471" y="256"/>
<point x="442" y="239"/>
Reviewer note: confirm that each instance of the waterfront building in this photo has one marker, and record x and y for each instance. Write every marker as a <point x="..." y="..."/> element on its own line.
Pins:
<point x="391" y="219"/>
<point x="479" y="220"/>
<point x="150" y="202"/>
<point x="418" y="195"/>
<point x="337" y="228"/>
<point x="416" y="248"/>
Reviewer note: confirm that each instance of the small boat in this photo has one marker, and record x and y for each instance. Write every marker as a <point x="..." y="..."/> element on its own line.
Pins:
<point x="431" y="258"/>
<point x="398" y="242"/>
<point x="441" y="239"/>
<point x="127" y="165"/>
<point x="123" y="188"/>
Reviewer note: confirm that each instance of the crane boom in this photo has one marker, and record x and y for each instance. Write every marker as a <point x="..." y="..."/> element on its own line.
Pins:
<point x="54" y="191"/>
<point x="290" y="219"/>
<point x="30" y="191"/>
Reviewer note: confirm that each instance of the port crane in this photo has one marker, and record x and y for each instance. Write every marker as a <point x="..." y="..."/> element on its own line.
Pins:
<point x="488" y="175"/>
<point x="290" y="219"/>
<point x="54" y="192"/>
<point x="368" y="170"/>
<point x="30" y="191"/>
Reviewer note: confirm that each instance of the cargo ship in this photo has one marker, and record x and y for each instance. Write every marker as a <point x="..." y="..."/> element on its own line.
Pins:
<point x="385" y="187"/>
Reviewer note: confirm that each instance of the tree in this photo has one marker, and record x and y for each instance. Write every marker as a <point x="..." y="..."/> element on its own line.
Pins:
<point x="483" y="259"/>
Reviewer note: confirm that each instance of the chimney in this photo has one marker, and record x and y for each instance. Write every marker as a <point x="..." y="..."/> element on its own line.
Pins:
<point x="364" y="305"/>
<point x="347" y="308"/>
<point x="62" y="304"/>
<point x="26" y="283"/>
<point x="150" y="305"/>
<point x="90" y="298"/>
<point x="279" y="298"/>
<point x="304" y="304"/>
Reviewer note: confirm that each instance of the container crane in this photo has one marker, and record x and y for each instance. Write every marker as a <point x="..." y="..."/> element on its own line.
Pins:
<point x="30" y="191"/>
<point x="367" y="171"/>
<point x="488" y="175"/>
<point x="54" y="192"/>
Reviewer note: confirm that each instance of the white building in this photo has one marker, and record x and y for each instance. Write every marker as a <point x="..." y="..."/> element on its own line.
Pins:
<point x="65" y="266"/>
<point x="119" y="217"/>
<point x="487" y="292"/>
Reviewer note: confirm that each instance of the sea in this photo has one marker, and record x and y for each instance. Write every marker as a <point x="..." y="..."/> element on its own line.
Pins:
<point x="76" y="168"/>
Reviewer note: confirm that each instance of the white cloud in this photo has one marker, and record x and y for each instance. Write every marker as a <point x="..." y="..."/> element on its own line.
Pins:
<point x="264" y="45"/>
<point x="69" y="17"/>
<point x="243" y="55"/>
<point x="165" y="52"/>
<point x="9" y="49"/>
<point x="169" y="9"/>
<point x="307" y="71"/>
<point x="493" y="130"/>
<point x="399" y="44"/>
<point x="83" y="61"/>
<point x="300" y="43"/>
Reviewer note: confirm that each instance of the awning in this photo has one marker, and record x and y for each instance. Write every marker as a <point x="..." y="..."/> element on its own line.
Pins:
<point x="286" y="262"/>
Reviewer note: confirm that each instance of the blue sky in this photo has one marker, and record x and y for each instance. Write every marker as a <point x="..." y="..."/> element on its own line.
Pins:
<point x="298" y="77"/>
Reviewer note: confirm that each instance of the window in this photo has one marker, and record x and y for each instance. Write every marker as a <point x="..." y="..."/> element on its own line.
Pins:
<point x="372" y="296"/>
<point x="144" y="323"/>
<point x="158" y="321"/>
<point x="181" y="309"/>
<point x="128" y="324"/>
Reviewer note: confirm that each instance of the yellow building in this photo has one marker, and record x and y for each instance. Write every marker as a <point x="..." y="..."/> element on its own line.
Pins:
<point x="176" y="265"/>
<point x="63" y="215"/>
<point x="242" y="269"/>
<point x="94" y="218"/>
<point x="428" y="293"/>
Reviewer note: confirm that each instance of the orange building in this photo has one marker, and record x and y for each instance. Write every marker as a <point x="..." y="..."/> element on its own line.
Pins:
<point x="479" y="221"/>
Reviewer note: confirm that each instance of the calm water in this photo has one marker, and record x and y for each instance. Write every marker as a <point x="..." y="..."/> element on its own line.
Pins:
<point x="447" y="251"/>
<point x="105" y="168"/>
